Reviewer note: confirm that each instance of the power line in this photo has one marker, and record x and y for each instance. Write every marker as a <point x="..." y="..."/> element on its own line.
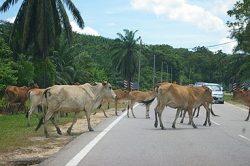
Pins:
<point x="215" y="45"/>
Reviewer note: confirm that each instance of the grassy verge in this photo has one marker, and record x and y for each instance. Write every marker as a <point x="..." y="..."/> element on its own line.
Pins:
<point x="15" y="134"/>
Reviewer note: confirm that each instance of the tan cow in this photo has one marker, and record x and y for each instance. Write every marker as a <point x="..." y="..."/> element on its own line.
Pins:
<point x="180" y="97"/>
<point x="73" y="98"/>
<point x="35" y="97"/>
<point x="243" y="96"/>
<point x="208" y="101"/>
<point x="140" y="97"/>
<point x="121" y="97"/>
<point x="15" y="94"/>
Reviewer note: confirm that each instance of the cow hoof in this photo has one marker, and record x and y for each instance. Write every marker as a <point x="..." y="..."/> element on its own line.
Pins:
<point x="58" y="131"/>
<point x="90" y="129"/>
<point x="173" y="126"/>
<point x="181" y="121"/>
<point x="209" y="124"/>
<point x="204" y="124"/>
<point x="195" y="127"/>
<point x="69" y="132"/>
<point x="147" y="117"/>
<point x="156" y="124"/>
<point x="162" y="127"/>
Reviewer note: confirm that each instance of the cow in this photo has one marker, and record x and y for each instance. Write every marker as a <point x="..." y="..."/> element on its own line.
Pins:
<point x="180" y="97"/>
<point x="208" y="101"/>
<point x="74" y="98"/>
<point x="15" y="94"/>
<point x="140" y="97"/>
<point x="35" y="96"/>
<point x="121" y="97"/>
<point x="244" y="97"/>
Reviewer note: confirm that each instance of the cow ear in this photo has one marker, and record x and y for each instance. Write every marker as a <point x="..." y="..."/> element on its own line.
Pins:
<point x="104" y="83"/>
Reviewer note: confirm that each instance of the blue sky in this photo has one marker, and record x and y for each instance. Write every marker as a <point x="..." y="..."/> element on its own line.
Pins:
<point x="179" y="23"/>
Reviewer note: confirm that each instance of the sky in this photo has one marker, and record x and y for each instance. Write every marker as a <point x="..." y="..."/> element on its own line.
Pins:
<point x="178" y="23"/>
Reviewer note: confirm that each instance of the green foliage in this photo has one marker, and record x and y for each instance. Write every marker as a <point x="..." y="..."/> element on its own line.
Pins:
<point x="241" y="25"/>
<point x="7" y="71"/>
<point x="125" y="55"/>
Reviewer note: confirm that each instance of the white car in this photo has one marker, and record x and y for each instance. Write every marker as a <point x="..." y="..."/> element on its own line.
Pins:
<point x="217" y="92"/>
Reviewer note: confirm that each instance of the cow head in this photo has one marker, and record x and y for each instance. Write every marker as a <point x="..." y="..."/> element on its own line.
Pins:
<point x="107" y="90"/>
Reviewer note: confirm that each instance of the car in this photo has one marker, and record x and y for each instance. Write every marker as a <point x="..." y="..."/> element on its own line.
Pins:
<point x="217" y="91"/>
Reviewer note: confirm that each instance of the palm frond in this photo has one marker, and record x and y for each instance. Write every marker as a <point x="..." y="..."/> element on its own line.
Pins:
<point x="6" y="5"/>
<point x="76" y="14"/>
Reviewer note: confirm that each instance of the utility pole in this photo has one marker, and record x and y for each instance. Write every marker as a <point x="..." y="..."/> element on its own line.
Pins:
<point x="154" y="73"/>
<point x="167" y="73"/>
<point x="161" y="70"/>
<point x="171" y="75"/>
<point x="139" y="65"/>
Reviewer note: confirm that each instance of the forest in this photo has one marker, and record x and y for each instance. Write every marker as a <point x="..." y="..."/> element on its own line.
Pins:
<point x="92" y="59"/>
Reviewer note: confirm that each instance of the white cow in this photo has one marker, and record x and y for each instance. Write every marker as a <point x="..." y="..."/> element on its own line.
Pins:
<point x="35" y="97"/>
<point x="75" y="98"/>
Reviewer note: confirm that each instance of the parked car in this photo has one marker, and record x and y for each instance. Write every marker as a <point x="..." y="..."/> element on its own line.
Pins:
<point x="217" y="91"/>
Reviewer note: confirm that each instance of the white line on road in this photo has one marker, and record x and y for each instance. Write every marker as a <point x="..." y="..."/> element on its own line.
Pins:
<point x="215" y="123"/>
<point x="242" y="136"/>
<point x="79" y="156"/>
<point x="243" y="109"/>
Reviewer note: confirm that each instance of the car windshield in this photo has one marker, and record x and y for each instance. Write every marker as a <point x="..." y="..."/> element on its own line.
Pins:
<point x="214" y="87"/>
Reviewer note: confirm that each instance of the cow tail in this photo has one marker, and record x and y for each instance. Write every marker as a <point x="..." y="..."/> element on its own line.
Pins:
<point x="147" y="101"/>
<point x="41" y="121"/>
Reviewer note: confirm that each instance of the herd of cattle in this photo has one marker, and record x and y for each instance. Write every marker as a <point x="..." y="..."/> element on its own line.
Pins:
<point x="87" y="97"/>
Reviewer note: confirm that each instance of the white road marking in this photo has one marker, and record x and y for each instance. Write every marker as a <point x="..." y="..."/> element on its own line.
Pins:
<point x="242" y="136"/>
<point x="215" y="123"/>
<point x="79" y="156"/>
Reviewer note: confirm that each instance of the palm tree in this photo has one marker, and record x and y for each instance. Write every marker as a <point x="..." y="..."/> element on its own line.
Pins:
<point x="125" y="55"/>
<point x="39" y="23"/>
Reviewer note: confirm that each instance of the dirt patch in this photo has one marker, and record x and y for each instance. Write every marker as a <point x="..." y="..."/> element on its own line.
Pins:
<point x="44" y="147"/>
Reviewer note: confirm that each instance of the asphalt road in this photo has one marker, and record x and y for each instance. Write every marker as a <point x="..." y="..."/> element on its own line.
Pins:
<point x="135" y="141"/>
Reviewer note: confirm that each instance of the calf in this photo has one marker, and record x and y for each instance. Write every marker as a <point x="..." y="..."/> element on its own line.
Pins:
<point x="181" y="97"/>
<point x="243" y="96"/>
<point x="141" y="97"/>
<point x="35" y="96"/>
<point x="121" y="96"/>
<point x="17" y="94"/>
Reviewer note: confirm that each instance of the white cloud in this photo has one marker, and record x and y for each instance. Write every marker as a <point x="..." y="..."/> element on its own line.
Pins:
<point x="180" y="10"/>
<point x="11" y="20"/>
<point x="86" y="30"/>
<point x="221" y="6"/>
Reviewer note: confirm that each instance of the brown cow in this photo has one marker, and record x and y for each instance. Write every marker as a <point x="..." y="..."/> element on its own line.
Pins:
<point x="121" y="97"/>
<point x="243" y="96"/>
<point x="15" y="94"/>
<point x="180" y="97"/>
<point x="141" y="97"/>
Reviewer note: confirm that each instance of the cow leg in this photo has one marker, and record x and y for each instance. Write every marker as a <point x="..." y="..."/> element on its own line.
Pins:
<point x="198" y="112"/>
<point x="74" y="121"/>
<point x="181" y="113"/>
<point x="28" y="114"/>
<point x="161" y="124"/>
<point x="207" y="115"/>
<point x="194" y="111"/>
<point x="47" y="117"/>
<point x="132" y="109"/>
<point x="87" y="113"/>
<point x="147" y="111"/>
<point x="191" y="117"/>
<point x="116" y="103"/>
<point x="212" y="112"/>
<point x="176" y="116"/>
<point x="58" y="130"/>
<point x="156" y="119"/>
<point x="248" y="115"/>
<point x="184" y="113"/>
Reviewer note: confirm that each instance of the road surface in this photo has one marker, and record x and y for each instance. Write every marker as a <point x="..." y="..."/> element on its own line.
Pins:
<point x="122" y="141"/>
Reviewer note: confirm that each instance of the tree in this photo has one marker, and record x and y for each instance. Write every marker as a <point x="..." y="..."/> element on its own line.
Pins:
<point x="241" y="25"/>
<point x="125" y="54"/>
<point x="38" y="25"/>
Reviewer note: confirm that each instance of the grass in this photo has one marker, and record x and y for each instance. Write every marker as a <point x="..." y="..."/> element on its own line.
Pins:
<point x="14" y="132"/>
<point x="229" y="98"/>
